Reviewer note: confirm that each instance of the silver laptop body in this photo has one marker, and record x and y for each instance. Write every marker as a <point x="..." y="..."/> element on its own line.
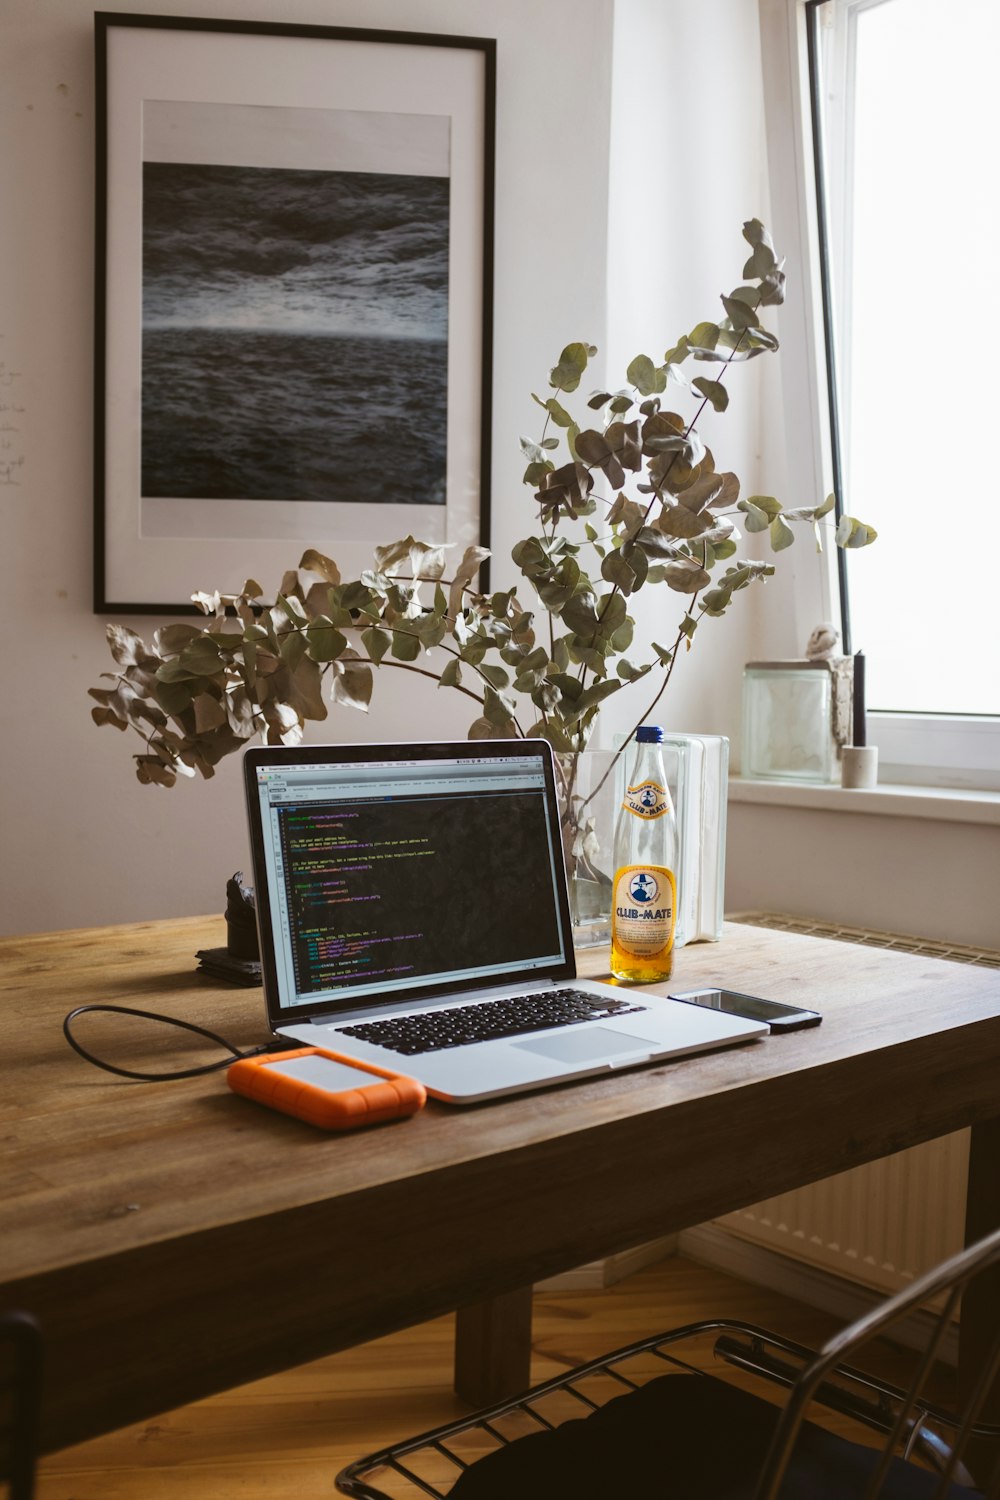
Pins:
<point x="402" y="888"/>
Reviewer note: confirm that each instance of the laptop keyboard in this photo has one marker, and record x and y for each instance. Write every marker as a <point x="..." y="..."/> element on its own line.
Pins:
<point x="488" y="1021"/>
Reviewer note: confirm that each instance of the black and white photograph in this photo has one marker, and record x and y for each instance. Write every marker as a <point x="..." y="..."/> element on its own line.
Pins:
<point x="295" y="320"/>
<point x="294" y="317"/>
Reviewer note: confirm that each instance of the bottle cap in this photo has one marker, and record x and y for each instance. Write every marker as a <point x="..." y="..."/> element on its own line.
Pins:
<point x="649" y="734"/>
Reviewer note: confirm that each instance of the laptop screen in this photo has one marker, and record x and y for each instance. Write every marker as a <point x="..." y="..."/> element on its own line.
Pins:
<point x="400" y="872"/>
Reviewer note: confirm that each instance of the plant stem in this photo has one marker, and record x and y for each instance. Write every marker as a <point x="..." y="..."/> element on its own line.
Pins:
<point x="657" y="495"/>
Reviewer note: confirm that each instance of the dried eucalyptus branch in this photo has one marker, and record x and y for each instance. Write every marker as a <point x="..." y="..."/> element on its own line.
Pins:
<point x="199" y="693"/>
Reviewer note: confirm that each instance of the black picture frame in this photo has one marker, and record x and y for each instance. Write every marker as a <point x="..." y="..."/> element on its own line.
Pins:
<point x="221" y="145"/>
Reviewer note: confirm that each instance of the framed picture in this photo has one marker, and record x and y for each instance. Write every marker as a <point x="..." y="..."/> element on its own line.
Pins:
<point x="294" y="300"/>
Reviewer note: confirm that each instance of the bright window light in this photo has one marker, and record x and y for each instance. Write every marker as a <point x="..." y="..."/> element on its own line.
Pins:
<point x="911" y="105"/>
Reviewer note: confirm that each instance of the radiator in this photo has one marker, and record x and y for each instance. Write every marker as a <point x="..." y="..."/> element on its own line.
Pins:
<point x="881" y="1224"/>
<point x="887" y="1222"/>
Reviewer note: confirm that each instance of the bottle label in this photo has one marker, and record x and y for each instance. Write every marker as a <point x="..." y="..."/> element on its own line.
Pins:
<point x="644" y="910"/>
<point x="647" y="800"/>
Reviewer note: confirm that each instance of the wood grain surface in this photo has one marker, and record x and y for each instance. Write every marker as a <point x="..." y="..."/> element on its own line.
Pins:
<point x="175" y="1239"/>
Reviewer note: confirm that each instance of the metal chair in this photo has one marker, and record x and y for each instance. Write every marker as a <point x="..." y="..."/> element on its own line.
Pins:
<point x="20" y="1397"/>
<point x="821" y="1411"/>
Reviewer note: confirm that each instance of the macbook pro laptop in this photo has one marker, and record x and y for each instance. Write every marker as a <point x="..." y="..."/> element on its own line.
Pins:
<point x="413" y="913"/>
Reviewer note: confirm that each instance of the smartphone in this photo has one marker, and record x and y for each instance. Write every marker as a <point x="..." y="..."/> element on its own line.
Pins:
<point x="778" y="1017"/>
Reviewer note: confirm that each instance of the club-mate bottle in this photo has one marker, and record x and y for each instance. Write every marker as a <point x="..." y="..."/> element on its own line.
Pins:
<point x="644" y="896"/>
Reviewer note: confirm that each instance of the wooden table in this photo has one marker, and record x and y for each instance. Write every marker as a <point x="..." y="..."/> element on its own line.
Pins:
<point x="175" y="1240"/>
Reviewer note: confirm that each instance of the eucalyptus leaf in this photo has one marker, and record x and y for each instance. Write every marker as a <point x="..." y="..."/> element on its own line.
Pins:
<point x="209" y="604"/>
<point x="767" y="503"/>
<point x="853" y="533"/>
<point x="678" y="521"/>
<point x="388" y="558"/>
<point x="498" y="711"/>
<point x="703" y="491"/>
<point x="704" y="336"/>
<point x="199" y="658"/>
<point x="625" y="443"/>
<point x="311" y="561"/>
<point x="654" y="544"/>
<point x="127" y="648"/>
<point x="376" y="642"/>
<point x="536" y="472"/>
<point x="713" y="391"/>
<point x="427" y="562"/>
<point x="495" y="676"/>
<point x="559" y="414"/>
<point x="729" y="493"/>
<point x="102" y="714"/>
<point x="565" y="376"/>
<point x="645" y="376"/>
<point x="756" y="519"/>
<point x="208" y="713"/>
<point x="715" y="601"/>
<point x="782" y="535"/>
<point x="740" y="315"/>
<point x="152" y="771"/>
<point x="170" y="640"/>
<point x="593" y="448"/>
<point x="352" y="683"/>
<point x="580" y="613"/>
<point x="686" y="576"/>
<point x="323" y="641"/>
<point x="466" y="570"/>
<point x="482" y="729"/>
<point x="405" y="645"/>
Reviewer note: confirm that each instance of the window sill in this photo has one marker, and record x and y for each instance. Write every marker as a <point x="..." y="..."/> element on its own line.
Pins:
<point x="942" y="803"/>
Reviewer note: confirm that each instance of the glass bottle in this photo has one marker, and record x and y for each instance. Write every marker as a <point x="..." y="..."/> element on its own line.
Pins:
<point x="644" y="894"/>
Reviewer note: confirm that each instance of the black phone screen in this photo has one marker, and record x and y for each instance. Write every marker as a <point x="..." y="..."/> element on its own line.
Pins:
<point x="753" y="1007"/>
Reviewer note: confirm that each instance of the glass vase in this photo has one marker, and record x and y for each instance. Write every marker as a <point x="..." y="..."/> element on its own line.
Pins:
<point x="589" y="787"/>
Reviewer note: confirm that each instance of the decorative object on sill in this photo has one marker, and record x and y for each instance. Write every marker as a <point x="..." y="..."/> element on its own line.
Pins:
<point x="536" y="659"/>
<point x="859" y="767"/>
<point x="239" y="961"/>
<point x="823" y="642"/>
<point x="796" y="713"/>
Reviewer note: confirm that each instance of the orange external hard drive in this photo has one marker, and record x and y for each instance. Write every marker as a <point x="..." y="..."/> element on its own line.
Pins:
<point x="333" y="1092"/>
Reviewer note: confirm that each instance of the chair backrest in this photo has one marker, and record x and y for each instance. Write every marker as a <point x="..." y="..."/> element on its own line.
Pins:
<point x="20" y="1399"/>
<point x="970" y="1444"/>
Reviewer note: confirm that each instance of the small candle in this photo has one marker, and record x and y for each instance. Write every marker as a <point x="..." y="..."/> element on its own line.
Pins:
<point x="860" y="728"/>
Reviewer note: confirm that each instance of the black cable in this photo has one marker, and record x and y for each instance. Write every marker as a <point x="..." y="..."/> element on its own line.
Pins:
<point x="149" y="1015"/>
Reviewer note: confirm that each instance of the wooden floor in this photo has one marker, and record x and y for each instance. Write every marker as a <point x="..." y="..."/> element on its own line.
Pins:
<point x="289" y="1435"/>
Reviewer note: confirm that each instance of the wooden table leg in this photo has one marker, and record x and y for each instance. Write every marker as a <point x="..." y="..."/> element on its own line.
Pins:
<point x="981" y="1301"/>
<point x="493" y="1348"/>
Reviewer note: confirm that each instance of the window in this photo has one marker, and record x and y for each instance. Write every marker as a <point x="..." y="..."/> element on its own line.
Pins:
<point x="906" y="119"/>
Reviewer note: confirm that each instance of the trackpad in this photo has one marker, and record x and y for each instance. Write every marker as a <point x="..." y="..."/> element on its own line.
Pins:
<point x="586" y="1046"/>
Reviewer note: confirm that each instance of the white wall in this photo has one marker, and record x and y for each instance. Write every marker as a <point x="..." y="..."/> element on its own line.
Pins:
<point x="927" y="877"/>
<point x="671" y="88"/>
<point x="84" y="843"/>
<point x="688" y="169"/>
